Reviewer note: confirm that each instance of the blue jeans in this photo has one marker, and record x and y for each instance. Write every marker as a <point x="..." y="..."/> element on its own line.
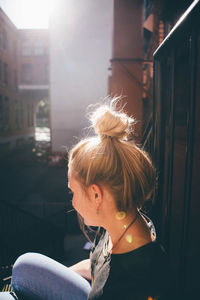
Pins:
<point x="38" y="277"/>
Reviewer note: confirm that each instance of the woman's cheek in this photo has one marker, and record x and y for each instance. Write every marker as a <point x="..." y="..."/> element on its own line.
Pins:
<point x="73" y="203"/>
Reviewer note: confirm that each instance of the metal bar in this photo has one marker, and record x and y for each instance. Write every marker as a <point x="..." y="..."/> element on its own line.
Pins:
<point x="146" y="133"/>
<point x="135" y="79"/>
<point x="170" y="156"/>
<point x="159" y="139"/>
<point x="154" y="106"/>
<point x="189" y="154"/>
<point x="147" y="138"/>
<point x="191" y="12"/>
<point x="154" y="147"/>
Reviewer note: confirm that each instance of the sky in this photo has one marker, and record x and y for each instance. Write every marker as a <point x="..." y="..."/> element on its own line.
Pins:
<point x="28" y="13"/>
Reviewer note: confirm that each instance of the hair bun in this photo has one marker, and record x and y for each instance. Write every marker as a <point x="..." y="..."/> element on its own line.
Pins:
<point x="108" y="122"/>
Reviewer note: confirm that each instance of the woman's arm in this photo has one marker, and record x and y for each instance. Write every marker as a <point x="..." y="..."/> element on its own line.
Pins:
<point x="83" y="268"/>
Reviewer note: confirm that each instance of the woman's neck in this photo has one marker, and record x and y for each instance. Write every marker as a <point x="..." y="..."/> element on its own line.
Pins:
<point x="127" y="231"/>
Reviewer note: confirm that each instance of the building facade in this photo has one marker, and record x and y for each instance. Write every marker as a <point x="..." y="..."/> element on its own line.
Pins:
<point x="139" y="27"/>
<point x="24" y="70"/>
<point x="127" y="57"/>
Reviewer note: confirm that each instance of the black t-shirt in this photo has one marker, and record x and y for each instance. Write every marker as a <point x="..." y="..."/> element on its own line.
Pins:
<point x="134" y="275"/>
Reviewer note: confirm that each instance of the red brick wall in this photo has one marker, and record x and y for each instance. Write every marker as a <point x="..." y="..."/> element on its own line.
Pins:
<point x="126" y="78"/>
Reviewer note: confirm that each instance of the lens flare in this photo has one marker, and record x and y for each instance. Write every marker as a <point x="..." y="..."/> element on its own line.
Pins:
<point x="129" y="238"/>
<point x="120" y="215"/>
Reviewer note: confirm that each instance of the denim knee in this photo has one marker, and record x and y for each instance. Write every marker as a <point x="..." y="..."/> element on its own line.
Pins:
<point x="36" y="276"/>
<point x="24" y="273"/>
<point x="21" y="266"/>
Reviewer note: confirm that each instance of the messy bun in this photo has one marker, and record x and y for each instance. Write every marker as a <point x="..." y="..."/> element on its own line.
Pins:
<point x="109" y="123"/>
<point x="113" y="161"/>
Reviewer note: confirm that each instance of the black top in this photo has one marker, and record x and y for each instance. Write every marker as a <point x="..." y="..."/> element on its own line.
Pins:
<point x="134" y="275"/>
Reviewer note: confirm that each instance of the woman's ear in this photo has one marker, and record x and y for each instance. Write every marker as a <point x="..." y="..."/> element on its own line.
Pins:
<point x="96" y="193"/>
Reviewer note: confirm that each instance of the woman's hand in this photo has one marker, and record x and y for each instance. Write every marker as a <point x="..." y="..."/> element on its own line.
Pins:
<point x="83" y="268"/>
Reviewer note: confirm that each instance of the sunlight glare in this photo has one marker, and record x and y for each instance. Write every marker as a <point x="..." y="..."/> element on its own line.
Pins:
<point x="120" y="215"/>
<point x="32" y="13"/>
<point x="129" y="238"/>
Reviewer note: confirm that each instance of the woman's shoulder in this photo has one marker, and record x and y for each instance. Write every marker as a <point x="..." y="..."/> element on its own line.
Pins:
<point x="144" y="269"/>
<point x="149" y="260"/>
<point x="149" y="249"/>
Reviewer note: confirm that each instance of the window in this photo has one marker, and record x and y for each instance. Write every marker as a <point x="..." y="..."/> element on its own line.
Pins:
<point x="7" y="114"/>
<point x="28" y="116"/>
<point x="21" y="115"/>
<point x="15" y="80"/>
<point x="0" y="70"/>
<point x="4" y="40"/>
<point x="26" y="48"/>
<point x="0" y="37"/>
<point x="5" y="71"/>
<point x="32" y="115"/>
<point x="38" y="48"/>
<point x="46" y="73"/>
<point x="15" y="49"/>
<point x="16" y="114"/>
<point x="1" y="113"/>
<point x="26" y="73"/>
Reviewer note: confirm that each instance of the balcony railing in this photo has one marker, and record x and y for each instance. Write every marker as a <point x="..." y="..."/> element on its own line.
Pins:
<point x="21" y="232"/>
<point x="176" y="148"/>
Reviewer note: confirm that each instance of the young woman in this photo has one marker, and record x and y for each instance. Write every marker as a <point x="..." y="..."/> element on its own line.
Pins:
<point x="110" y="178"/>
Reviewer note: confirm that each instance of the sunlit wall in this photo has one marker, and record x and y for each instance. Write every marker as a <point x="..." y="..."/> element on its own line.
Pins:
<point x="80" y="50"/>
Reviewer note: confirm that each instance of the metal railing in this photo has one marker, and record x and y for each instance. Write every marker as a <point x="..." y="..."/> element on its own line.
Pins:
<point x="176" y="149"/>
<point x="21" y="232"/>
<point x="146" y="141"/>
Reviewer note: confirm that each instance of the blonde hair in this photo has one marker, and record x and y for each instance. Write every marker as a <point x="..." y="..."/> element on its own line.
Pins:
<point x="111" y="160"/>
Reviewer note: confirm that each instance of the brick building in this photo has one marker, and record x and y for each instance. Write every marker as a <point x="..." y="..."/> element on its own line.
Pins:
<point x="139" y="27"/>
<point x="23" y="81"/>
